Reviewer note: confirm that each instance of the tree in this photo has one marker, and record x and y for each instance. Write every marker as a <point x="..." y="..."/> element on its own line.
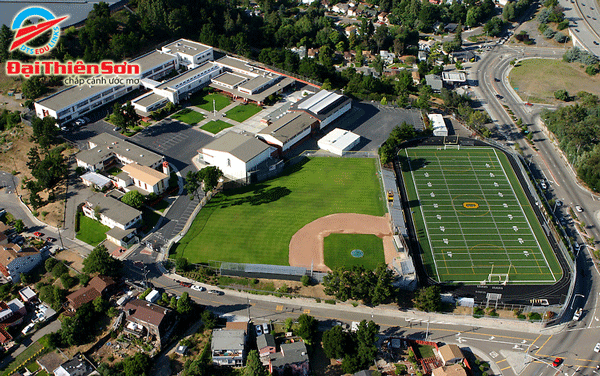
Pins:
<point x="99" y="305"/>
<point x="44" y="131"/>
<point x="254" y="366"/>
<point x="33" y="88"/>
<point x="184" y="304"/>
<point x="209" y="319"/>
<point x="307" y="327"/>
<point x="134" y="199"/>
<point x="305" y="280"/>
<point x="137" y="365"/>
<point x="562" y="95"/>
<point x="49" y="264"/>
<point x="428" y="299"/>
<point x="100" y="261"/>
<point x="366" y="336"/>
<point x="208" y="177"/>
<point x="19" y="225"/>
<point x="335" y="342"/>
<point x="182" y="264"/>
<point x="59" y="269"/>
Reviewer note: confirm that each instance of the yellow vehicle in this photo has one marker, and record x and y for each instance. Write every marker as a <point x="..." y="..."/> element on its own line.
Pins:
<point x="390" y="196"/>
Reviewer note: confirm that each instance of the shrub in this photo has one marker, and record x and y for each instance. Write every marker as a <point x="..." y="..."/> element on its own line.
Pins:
<point x="563" y="25"/>
<point x="548" y="33"/>
<point x="560" y="37"/>
<point x="534" y="316"/>
<point x="591" y="70"/>
<point x="562" y="95"/>
<point x="305" y="280"/>
<point x="542" y="27"/>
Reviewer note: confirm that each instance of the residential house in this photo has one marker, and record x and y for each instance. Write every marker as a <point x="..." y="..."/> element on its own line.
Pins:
<point x="97" y="287"/>
<point x="236" y="155"/>
<point x="453" y="370"/>
<point x="340" y="8"/>
<point x="349" y="30"/>
<point x="5" y="337"/>
<point x="27" y="295"/>
<point x="416" y="76"/>
<point x="353" y="12"/>
<point x="228" y="347"/>
<point x="435" y="82"/>
<point x="425" y="45"/>
<point x="387" y="57"/>
<point x="12" y="313"/>
<point x="364" y="372"/>
<point x="96" y="180"/>
<point x="369" y="13"/>
<point x="422" y="55"/>
<point x="300" y="51"/>
<point x="311" y="53"/>
<point x="462" y="56"/>
<point x="383" y="17"/>
<point x="51" y="361"/>
<point x="237" y="325"/>
<point x="308" y="2"/>
<point x="147" y="320"/>
<point x="78" y="366"/>
<point x="451" y="27"/>
<point x="266" y="344"/>
<point x="15" y="260"/>
<point x="450" y="354"/>
<point x="4" y="228"/>
<point x="112" y="212"/>
<point x="292" y="356"/>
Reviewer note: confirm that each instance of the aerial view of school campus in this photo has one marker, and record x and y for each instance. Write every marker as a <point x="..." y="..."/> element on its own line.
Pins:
<point x="297" y="188"/>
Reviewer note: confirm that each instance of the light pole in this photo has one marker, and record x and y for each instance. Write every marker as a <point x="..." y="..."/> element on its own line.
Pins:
<point x="575" y="297"/>
<point x="62" y="246"/>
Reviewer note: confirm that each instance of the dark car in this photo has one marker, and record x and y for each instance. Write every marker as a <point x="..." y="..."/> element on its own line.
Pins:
<point x="596" y="43"/>
<point x="499" y="96"/>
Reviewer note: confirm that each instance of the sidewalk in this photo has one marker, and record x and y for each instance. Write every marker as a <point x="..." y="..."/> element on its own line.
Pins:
<point x="389" y="311"/>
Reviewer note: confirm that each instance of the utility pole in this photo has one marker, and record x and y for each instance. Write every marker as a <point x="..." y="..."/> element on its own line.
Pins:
<point x="60" y="237"/>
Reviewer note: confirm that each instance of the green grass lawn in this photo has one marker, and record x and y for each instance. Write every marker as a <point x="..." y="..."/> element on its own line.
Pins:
<point x="91" y="231"/>
<point x="161" y="206"/>
<point x="255" y="224"/>
<point x="337" y="248"/>
<point x="426" y="351"/>
<point x="216" y="126"/>
<point x="204" y="100"/>
<point x="538" y="79"/>
<point x="188" y="116"/>
<point x="114" y="171"/>
<point x="243" y="112"/>
<point x="473" y="217"/>
<point x="29" y="352"/>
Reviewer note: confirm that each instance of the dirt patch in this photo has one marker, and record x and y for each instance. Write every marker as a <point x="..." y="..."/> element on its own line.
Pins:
<point x="306" y="246"/>
<point x="71" y="258"/>
<point x="13" y="157"/>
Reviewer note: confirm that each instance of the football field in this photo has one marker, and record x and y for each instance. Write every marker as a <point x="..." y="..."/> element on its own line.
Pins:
<point x="473" y="220"/>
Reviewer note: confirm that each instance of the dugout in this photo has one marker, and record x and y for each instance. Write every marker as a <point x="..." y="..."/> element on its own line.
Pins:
<point x="290" y="273"/>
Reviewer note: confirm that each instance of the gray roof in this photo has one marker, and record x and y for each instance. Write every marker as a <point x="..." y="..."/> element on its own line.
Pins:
<point x="265" y="340"/>
<point x="240" y="146"/>
<point x="434" y="81"/>
<point x="187" y="47"/>
<point x="95" y="178"/>
<point x="288" y="126"/>
<point x="119" y="234"/>
<point x="113" y="208"/>
<point x="77" y="366"/>
<point x="150" y="100"/>
<point x="107" y="144"/>
<point x="234" y="63"/>
<point x="151" y="60"/>
<point x="184" y="76"/>
<point x="290" y="353"/>
<point x="232" y="79"/>
<point x="255" y="82"/>
<point x="228" y="340"/>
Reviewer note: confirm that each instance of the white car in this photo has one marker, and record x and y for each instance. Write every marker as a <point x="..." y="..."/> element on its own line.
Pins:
<point x="265" y="328"/>
<point x="28" y="328"/>
<point x="259" y="332"/>
<point x="579" y="208"/>
<point x="198" y="288"/>
<point x="597" y="348"/>
<point x="577" y="314"/>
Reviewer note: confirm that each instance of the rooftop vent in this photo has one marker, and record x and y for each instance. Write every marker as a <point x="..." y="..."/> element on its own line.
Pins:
<point x="127" y="149"/>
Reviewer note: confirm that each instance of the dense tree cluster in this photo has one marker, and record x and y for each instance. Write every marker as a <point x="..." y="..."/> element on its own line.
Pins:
<point x="515" y="9"/>
<point x="207" y="178"/>
<point x="357" y="349"/>
<point x="398" y="135"/>
<point x="134" y="199"/>
<point x="357" y="283"/>
<point x="9" y="119"/>
<point x="125" y="116"/>
<point x="576" y="54"/>
<point x="136" y="365"/>
<point x="577" y="128"/>
<point x="101" y="262"/>
<point x="428" y="299"/>
<point x="80" y="328"/>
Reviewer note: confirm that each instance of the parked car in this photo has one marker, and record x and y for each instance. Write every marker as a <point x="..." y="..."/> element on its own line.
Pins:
<point x="577" y="314"/>
<point x="216" y="292"/>
<point x="79" y="122"/>
<point x="556" y="362"/>
<point x="30" y="326"/>
<point x="38" y="234"/>
<point x="258" y="329"/>
<point x="543" y="184"/>
<point x="86" y="119"/>
<point x="597" y="348"/>
<point x="50" y="239"/>
<point x="559" y="203"/>
<point x="266" y="328"/>
<point x="579" y="208"/>
<point x="198" y="288"/>
<point x="117" y="129"/>
<point x="185" y="284"/>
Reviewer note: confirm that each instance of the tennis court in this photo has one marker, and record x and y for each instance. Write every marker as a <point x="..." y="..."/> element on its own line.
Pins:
<point x="473" y="220"/>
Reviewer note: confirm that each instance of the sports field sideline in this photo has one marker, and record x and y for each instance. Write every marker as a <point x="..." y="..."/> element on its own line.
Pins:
<point x="473" y="220"/>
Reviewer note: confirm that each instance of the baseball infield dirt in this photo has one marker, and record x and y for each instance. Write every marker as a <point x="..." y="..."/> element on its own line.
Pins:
<point x="306" y="246"/>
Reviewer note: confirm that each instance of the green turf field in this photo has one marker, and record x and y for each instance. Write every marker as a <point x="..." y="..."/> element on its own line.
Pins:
<point x="473" y="218"/>
<point x="337" y="250"/>
<point x="204" y="100"/>
<point x="216" y="126"/>
<point x="188" y="116"/>
<point x="255" y="224"/>
<point x="243" y="112"/>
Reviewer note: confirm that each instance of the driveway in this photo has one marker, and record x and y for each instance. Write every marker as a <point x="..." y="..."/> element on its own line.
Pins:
<point x="52" y="327"/>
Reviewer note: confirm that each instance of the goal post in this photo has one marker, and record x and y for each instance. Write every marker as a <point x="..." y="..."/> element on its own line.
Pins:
<point x="500" y="278"/>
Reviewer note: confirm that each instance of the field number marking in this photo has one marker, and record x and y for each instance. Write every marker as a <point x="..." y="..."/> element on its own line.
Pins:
<point x="279" y="308"/>
<point x="470" y="205"/>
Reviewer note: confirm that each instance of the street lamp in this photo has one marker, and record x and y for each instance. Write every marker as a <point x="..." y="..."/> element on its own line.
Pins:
<point x="575" y="297"/>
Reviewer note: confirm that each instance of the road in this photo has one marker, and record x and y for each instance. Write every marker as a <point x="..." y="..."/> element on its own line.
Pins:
<point x="584" y="25"/>
<point x="576" y="343"/>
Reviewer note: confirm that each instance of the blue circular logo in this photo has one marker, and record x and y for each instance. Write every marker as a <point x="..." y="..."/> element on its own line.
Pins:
<point x="357" y="253"/>
<point x="24" y="34"/>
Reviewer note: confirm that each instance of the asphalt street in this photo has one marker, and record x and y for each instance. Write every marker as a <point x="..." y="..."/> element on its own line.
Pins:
<point x="585" y="23"/>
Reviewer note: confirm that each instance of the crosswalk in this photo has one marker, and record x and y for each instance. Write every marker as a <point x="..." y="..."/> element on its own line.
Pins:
<point x="167" y="143"/>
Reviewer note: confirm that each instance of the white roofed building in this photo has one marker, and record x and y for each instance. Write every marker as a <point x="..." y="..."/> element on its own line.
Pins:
<point x="438" y="124"/>
<point x="339" y="141"/>
<point x="326" y="106"/>
<point x="236" y="155"/>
